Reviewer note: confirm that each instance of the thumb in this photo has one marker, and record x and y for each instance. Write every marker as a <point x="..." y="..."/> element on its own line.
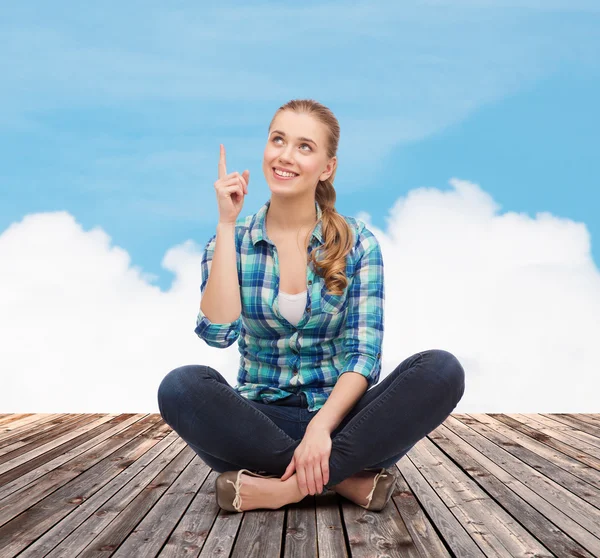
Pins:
<point x="290" y="469"/>
<point x="246" y="175"/>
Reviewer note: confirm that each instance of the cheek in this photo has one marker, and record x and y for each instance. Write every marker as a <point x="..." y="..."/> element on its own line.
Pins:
<point x="310" y="168"/>
<point x="269" y="154"/>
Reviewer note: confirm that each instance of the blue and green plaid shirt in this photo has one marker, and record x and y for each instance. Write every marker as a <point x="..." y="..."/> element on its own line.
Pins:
<point x="337" y="334"/>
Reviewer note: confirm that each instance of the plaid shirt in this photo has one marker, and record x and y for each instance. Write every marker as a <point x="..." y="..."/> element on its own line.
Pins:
<point x="337" y="333"/>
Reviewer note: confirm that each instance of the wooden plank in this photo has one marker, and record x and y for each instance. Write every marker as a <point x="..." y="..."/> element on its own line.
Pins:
<point x="152" y="532"/>
<point x="300" y="536"/>
<point x="546" y="428"/>
<point x="589" y="419"/>
<point x="420" y="528"/>
<point x="41" y="439"/>
<point x="574" y="422"/>
<point x="223" y="533"/>
<point x="110" y="539"/>
<point x="189" y="537"/>
<point x="544" y="449"/>
<point x="46" y="444"/>
<point x="260" y="534"/>
<point x="486" y="522"/>
<point x="562" y="477"/>
<point x="452" y="531"/>
<point x="565" y="505"/>
<point x="33" y="432"/>
<point x="15" y="418"/>
<point x="75" y="531"/>
<point x="377" y="533"/>
<point x="480" y="484"/>
<point x="330" y="527"/>
<point x="94" y="473"/>
<point x="21" y="500"/>
<point x="33" y="469"/>
<point x="29" y="424"/>
<point x="538" y="516"/>
<point x="568" y="430"/>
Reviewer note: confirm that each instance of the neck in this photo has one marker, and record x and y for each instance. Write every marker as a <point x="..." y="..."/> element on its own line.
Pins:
<point x="291" y="216"/>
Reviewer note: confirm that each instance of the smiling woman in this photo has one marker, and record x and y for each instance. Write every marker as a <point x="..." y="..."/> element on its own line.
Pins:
<point x="303" y="139"/>
<point x="309" y="320"/>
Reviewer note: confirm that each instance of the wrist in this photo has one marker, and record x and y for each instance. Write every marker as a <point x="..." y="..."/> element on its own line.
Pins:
<point x="316" y="424"/>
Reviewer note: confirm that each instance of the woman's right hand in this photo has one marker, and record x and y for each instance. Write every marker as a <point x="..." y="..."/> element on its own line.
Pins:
<point x="231" y="189"/>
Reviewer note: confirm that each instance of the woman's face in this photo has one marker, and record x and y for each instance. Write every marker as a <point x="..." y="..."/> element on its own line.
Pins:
<point x="286" y="150"/>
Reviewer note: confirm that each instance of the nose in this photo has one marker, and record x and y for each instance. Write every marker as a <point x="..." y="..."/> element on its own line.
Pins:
<point x="286" y="156"/>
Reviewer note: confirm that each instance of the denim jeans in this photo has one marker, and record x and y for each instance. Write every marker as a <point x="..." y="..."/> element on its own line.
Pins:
<point x="230" y="432"/>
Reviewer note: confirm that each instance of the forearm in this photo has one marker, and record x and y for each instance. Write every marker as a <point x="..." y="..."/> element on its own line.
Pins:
<point x="349" y="388"/>
<point x="221" y="301"/>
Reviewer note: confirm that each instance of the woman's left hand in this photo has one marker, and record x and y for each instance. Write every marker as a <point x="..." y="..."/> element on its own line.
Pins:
<point x="311" y="461"/>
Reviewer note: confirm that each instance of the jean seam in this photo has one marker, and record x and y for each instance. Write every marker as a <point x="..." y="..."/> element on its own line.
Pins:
<point x="377" y="404"/>
<point x="237" y="398"/>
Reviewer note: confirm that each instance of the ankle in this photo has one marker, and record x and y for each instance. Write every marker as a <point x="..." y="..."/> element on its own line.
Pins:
<point x="294" y="494"/>
<point x="349" y="481"/>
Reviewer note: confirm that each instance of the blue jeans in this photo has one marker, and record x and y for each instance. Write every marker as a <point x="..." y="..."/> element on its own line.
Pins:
<point x="230" y="432"/>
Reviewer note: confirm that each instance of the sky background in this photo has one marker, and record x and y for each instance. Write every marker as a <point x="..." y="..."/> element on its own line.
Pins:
<point x="469" y="146"/>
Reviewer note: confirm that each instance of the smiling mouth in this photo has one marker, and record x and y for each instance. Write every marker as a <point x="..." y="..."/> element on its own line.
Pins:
<point x="279" y="177"/>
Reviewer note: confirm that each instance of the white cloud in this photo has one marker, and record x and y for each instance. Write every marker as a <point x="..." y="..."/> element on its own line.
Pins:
<point x="515" y="298"/>
<point x="82" y="330"/>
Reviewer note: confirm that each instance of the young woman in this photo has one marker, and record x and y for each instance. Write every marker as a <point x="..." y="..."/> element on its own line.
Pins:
<point x="301" y="288"/>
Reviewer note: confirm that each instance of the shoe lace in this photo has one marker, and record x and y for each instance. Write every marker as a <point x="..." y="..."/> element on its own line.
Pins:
<point x="370" y="495"/>
<point x="237" y="501"/>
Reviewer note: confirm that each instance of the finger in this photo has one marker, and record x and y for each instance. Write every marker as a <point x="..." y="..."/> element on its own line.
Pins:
<point x="233" y="178"/>
<point x="325" y="470"/>
<point x="222" y="164"/>
<point x="292" y="469"/>
<point x="233" y="191"/>
<point x="318" y="478"/>
<point x="310" y="480"/>
<point x="301" y="479"/>
<point x="289" y="470"/>
<point x="246" y="175"/>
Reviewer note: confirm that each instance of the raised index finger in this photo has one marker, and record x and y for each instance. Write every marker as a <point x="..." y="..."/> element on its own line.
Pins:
<point x="222" y="165"/>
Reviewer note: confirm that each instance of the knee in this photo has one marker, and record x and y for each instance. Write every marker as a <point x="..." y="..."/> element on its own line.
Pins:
<point x="176" y="385"/>
<point x="450" y="369"/>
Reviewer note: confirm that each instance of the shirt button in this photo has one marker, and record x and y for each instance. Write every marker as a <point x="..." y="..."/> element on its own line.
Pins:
<point x="310" y="282"/>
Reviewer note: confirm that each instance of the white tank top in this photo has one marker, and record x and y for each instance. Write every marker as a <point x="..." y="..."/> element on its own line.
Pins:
<point x="292" y="306"/>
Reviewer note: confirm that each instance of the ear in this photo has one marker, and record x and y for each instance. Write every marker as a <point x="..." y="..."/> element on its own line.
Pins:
<point x="331" y="166"/>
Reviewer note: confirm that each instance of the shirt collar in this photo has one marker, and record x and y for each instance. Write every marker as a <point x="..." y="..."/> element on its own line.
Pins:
<point x="258" y="225"/>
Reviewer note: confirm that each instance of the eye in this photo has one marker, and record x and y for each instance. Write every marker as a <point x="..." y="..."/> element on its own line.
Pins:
<point x="279" y="137"/>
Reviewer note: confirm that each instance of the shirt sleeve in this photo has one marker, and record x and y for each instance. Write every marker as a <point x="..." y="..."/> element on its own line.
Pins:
<point x="215" y="335"/>
<point x="363" y="334"/>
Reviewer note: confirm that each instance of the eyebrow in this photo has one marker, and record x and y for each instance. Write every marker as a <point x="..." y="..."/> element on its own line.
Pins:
<point x="301" y="138"/>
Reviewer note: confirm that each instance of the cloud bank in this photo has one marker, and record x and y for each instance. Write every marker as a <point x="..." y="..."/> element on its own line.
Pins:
<point x="515" y="298"/>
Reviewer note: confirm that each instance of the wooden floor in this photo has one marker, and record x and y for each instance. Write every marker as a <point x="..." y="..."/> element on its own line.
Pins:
<point x="128" y="486"/>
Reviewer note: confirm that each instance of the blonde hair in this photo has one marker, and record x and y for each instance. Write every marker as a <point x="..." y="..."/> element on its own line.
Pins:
<point x="337" y="234"/>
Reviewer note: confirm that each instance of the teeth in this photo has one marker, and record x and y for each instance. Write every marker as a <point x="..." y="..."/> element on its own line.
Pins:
<point x="281" y="173"/>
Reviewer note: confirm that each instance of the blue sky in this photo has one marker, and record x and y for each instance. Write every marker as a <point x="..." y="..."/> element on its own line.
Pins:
<point x="113" y="114"/>
<point x="116" y="116"/>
